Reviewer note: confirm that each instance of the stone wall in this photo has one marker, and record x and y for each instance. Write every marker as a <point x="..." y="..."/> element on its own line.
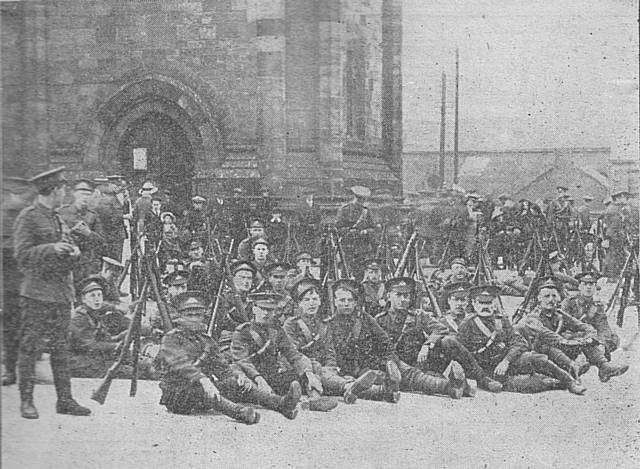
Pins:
<point x="257" y="86"/>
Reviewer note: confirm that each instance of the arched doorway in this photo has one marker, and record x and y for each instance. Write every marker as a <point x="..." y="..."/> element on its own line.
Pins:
<point x="162" y="153"/>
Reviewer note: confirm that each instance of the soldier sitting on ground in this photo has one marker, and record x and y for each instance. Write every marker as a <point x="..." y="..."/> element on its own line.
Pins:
<point x="504" y="354"/>
<point x="97" y="330"/>
<point x="361" y="344"/>
<point x="310" y="333"/>
<point x="407" y="328"/>
<point x="197" y="377"/>
<point x="111" y="273"/>
<point x="563" y="338"/>
<point x="584" y="308"/>
<point x="234" y="308"/>
<point x="276" y="279"/>
<point x="265" y="353"/>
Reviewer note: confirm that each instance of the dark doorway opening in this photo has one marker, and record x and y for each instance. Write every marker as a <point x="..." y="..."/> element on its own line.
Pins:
<point x="163" y="155"/>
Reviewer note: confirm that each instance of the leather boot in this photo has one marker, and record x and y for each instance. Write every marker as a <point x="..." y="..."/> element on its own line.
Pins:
<point x="9" y="378"/>
<point x="379" y="392"/>
<point x="566" y="380"/>
<point x="289" y="402"/>
<point x="318" y="403"/>
<point x="26" y="365"/>
<point x="457" y="381"/>
<point x="489" y="384"/>
<point x="243" y="414"/>
<point x="607" y="371"/>
<point x="469" y="390"/>
<point x="393" y="376"/>
<point x="62" y="382"/>
<point x="69" y="406"/>
<point x="430" y="384"/>
<point x="354" y="388"/>
<point x="28" y="410"/>
<point x="531" y="384"/>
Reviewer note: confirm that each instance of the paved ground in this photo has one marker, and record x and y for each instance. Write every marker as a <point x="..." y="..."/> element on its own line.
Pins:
<point x="551" y="430"/>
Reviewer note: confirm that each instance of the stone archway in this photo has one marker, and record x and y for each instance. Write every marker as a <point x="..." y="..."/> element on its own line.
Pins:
<point x="162" y="102"/>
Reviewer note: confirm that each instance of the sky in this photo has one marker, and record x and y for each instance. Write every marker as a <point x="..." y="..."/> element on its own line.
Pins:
<point x="533" y="74"/>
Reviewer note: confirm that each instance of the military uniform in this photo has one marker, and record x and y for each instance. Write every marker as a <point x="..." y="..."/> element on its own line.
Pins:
<point x="95" y="336"/>
<point x="11" y="275"/>
<point x="357" y="242"/>
<point x="196" y="224"/>
<point x="562" y="338"/>
<point x="234" y="310"/>
<point x="309" y="218"/>
<point x="90" y="246"/>
<point x="109" y="211"/>
<point x="187" y="356"/>
<point x="259" y="349"/>
<point x="409" y="331"/>
<point x="592" y="312"/>
<point x="47" y="294"/>
<point x="373" y="296"/>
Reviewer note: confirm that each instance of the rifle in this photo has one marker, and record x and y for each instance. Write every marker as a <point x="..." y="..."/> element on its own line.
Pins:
<point x="212" y="328"/>
<point x="345" y="266"/>
<point x="523" y="307"/>
<point x="400" y="268"/>
<point x="432" y="296"/>
<point x="100" y="394"/>
<point x="167" y="324"/>
<point x="123" y="275"/>
<point x="619" y="284"/>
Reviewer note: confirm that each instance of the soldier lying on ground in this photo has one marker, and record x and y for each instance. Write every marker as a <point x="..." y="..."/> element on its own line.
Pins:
<point x="504" y="354"/>
<point x="197" y="377"/>
<point x="311" y="334"/>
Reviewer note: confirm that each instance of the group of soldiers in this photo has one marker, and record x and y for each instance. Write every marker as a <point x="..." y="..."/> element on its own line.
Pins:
<point x="261" y="307"/>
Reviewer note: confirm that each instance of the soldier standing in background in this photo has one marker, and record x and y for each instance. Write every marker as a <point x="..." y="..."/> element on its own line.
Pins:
<point x="46" y="258"/>
<point x="16" y="193"/>
<point x="357" y="220"/>
<point x="110" y="213"/>
<point x="309" y="223"/>
<point x="86" y="230"/>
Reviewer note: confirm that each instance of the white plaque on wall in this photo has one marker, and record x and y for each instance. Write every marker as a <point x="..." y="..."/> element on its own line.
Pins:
<point x="140" y="159"/>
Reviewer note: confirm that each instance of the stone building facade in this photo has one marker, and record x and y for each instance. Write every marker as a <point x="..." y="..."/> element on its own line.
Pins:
<point x="203" y="95"/>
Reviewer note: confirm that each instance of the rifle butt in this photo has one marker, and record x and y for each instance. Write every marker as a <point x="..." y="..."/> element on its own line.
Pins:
<point x="100" y="394"/>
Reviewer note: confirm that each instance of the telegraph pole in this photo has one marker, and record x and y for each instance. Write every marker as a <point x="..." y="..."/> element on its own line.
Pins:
<point x="455" y="128"/>
<point x="442" y="128"/>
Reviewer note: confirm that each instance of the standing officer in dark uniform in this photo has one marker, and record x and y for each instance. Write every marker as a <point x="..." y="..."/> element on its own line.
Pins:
<point x="86" y="230"/>
<point x="16" y="193"/>
<point x="357" y="220"/>
<point x="46" y="258"/>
